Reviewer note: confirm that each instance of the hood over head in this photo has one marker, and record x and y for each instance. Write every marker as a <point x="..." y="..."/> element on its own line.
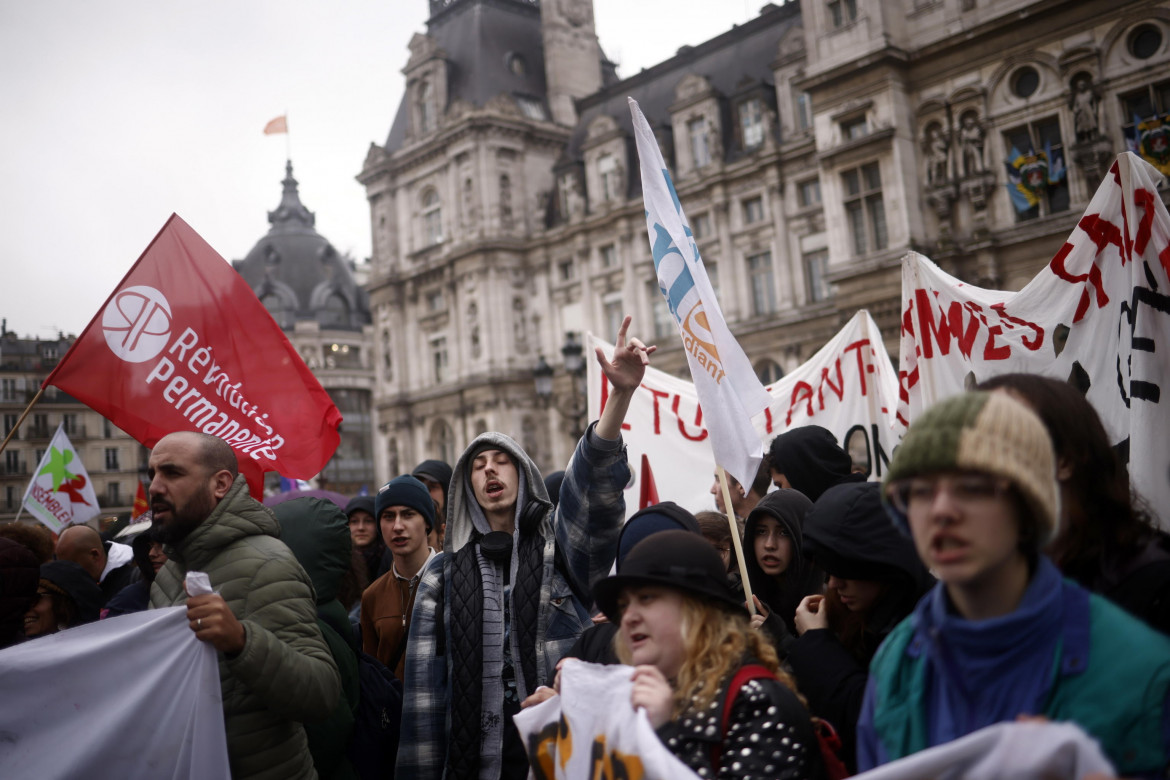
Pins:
<point x="849" y="534"/>
<point x="811" y="459"/>
<point x="665" y="516"/>
<point x="802" y="578"/>
<point x="78" y="587"/>
<point x="317" y="532"/>
<point x="465" y="518"/>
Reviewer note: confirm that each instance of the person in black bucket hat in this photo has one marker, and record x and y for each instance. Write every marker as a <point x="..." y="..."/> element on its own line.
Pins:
<point x="692" y="647"/>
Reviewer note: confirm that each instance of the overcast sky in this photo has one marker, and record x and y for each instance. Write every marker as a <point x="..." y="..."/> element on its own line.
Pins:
<point x="117" y="113"/>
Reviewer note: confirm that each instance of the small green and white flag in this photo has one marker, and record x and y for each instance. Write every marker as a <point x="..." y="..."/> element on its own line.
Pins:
<point x="60" y="493"/>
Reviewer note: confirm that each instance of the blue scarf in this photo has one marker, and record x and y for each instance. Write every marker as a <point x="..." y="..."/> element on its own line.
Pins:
<point x="989" y="671"/>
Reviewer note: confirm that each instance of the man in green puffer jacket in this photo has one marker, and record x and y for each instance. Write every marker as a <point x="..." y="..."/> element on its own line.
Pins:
<point x="275" y="669"/>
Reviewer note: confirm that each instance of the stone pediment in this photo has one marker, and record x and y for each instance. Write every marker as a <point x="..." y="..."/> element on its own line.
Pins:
<point x="601" y="127"/>
<point x="374" y="156"/>
<point x="692" y="86"/>
<point x="792" y="43"/>
<point x="422" y="48"/>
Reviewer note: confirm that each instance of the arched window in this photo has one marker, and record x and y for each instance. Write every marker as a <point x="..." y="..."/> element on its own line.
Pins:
<point x="334" y="313"/>
<point x="769" y="371"/>
<point x="432" y="215"/>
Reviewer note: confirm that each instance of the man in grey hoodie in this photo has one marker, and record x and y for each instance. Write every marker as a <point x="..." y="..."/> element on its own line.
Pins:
<point x="511" y="592"/>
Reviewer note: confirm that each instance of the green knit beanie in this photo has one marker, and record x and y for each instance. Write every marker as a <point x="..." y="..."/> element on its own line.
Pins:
<point x="988" y="432"/>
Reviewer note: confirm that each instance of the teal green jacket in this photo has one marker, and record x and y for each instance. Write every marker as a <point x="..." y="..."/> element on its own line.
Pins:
<point x="1109" y="674"/>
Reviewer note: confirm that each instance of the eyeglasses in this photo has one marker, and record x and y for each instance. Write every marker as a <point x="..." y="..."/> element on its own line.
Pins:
<point x="966" y="489"/>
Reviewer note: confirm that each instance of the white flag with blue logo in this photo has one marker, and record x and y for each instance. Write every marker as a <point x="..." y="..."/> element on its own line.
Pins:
<point x="729" y="391"/>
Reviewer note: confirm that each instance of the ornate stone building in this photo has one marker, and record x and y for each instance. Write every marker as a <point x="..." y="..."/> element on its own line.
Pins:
<point x="312" y="293"/>
<point x="114" y="461"/>
<point x="811" y="147"/>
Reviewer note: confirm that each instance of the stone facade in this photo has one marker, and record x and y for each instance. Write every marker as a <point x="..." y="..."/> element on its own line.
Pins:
<point x="112" y="459"/>
<point x="811" y="147"/>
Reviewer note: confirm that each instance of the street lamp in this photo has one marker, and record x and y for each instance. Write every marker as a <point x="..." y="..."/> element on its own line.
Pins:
<point x="572" y="354"/>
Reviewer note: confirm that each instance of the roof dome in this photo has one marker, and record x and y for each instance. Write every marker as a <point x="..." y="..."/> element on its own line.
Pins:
<point x="298" y="275"/>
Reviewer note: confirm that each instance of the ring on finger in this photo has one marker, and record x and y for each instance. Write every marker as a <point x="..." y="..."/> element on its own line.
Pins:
<point x="199" y="624"/>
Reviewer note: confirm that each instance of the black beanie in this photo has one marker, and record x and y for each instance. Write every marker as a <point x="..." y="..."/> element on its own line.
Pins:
<point x="406" y="491"/>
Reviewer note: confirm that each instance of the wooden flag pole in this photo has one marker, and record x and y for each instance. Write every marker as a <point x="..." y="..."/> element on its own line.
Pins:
<point x="24" y="414"/>
<point x="735" y="540"/>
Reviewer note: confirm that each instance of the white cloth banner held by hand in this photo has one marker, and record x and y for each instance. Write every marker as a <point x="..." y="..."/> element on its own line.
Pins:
<point x="591" y="732"/>
<point x="1097" y="316"/>
<point x="136" y="696"/>
<point x="847" y="387"/>
<point x="728" y="388"/>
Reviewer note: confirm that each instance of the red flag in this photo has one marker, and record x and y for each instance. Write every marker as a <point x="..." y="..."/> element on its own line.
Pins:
<point x="184" y="344"/>
<point x="278" y="125"/>
<point x="140" y="504"/>
<point x="648" y="493"/>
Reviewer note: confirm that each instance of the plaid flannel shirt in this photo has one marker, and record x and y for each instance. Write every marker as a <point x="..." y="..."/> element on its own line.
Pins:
<point x="584" y="528"/>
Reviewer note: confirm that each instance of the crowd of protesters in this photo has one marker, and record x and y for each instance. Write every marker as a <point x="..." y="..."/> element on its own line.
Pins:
<point x="1001" y="570"/>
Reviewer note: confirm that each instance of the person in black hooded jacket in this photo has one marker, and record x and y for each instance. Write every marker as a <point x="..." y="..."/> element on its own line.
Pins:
<point x="875" y="578"/>
<point x="778" y="568"/>
<point x="809" y="459"/>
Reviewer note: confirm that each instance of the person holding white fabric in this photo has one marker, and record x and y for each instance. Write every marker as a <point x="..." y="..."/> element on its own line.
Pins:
<point x="692" y="648"/>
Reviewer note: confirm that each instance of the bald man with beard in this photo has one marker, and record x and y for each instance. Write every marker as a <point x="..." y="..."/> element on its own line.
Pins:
<point x="275" y="668"/>
<point x="110" y="564"/>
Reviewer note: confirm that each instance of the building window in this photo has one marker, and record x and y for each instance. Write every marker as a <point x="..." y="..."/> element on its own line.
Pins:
<point x="505" y="202"/>
<point x="111" y="458"/>
<point x="753" y="210"/>
<point x="49" y="352"/>
<point x="1148" y="102"/>
<point x="565" y="270"/>
<point x="41" y="426"/>
<point x="107" y="429"/>
<point x="700" y="145"/>
<point x="612" y="313"/>
<point x="1145" y="41"/>
<point x="762" y="283"/>
<point x="608" y="256"/>
<point x="803" y="111"/>
<point x="816" y="271"/>
<point x="334" y="313"/>
<point x="435" y="302"/>
<point x="864" y="210"/>
<point x="663" y="321"/>
<point x="432" y="218"/>
<point x="443" y="441"/>
<point x="1025" y="82"/>
<point x="769" y="371"/>
<point x="855" y="128"/>
<point x="751" y="121"/>
<point x="531" y="107"/>
<point x="701" y="226"/>
<point x="9" y="423"/>
<point x="607" y="168"/>
<point x="808" y="193"/>
<point x="114" y="494"/>
<point x="7" y="389"/>
<point x="12" y="462"/>
<point x="842" y="12"/>
<point x="1038" y="184"/>
<point x="439" y="360"/>
<point x="426" y="108"/>
<point x="10" y="499"/>
<point x="69" y="422"/>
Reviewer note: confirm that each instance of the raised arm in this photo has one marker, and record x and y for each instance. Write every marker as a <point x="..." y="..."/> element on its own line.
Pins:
<point x="624" y="372"/>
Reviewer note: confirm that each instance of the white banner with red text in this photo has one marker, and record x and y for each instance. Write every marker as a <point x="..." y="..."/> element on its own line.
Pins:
<point x="848" y="387"/>
<point x="1096" y="316"/>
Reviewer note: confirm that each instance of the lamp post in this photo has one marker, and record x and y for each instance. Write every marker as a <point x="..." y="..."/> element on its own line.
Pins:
<point x="574" y="408"/>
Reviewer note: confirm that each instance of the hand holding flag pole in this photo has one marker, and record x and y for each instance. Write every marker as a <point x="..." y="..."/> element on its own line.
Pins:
<point x="735" y="540"/>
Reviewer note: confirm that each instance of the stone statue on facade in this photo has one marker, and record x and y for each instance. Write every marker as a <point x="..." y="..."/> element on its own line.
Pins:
<point x="938" y="152"/>
<point x="1084" y="103"/>
<point x="971" y="142"/>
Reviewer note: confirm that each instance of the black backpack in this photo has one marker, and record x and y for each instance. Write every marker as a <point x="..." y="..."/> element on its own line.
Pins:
<point x="374" y="745"/>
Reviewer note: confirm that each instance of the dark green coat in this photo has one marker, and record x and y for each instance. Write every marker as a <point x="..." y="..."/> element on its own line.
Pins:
<point x="285" y="673"/>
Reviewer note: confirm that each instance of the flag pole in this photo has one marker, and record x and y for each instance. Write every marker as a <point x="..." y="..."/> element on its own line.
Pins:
<point x="16" y="427"/>
<point x="735" y="540"/>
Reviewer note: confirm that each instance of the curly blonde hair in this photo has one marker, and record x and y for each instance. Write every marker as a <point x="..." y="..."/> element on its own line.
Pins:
<point x="715" y="642"/>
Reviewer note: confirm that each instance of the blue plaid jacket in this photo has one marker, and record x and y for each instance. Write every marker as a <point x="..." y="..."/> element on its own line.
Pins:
<point x="584" y="529"/>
